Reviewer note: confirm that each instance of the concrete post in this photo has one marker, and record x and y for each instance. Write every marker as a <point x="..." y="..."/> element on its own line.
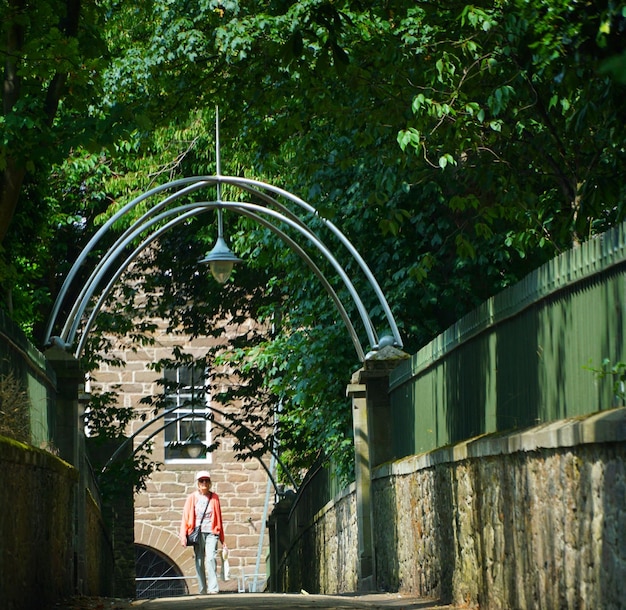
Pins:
<point x="70" y="382"/>
<point x="278" y="528"/>
<point x="371" y="420"/>
<point x="357" y="392"/>
<point x="69" y="438"/>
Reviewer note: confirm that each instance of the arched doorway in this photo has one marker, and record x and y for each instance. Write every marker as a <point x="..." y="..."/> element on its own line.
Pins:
<point x="157" y="575"/>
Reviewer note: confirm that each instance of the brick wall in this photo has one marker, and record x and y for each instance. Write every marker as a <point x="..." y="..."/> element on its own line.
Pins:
<point x="241" y="486"/>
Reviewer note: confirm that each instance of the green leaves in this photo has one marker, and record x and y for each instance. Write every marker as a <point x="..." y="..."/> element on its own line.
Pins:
<point x="409" y="137"/>
<point x="458" y="146"/>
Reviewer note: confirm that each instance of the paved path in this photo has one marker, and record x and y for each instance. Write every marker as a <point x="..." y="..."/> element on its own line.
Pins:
<point x="271" y="601"/>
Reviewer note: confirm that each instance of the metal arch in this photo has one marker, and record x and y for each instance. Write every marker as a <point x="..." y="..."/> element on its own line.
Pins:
<point x="188" y="211"/>
<point x="136" y="450"/>
<point x="153" y="434"/>
<point x="100" y="233"/>
<point x="73" y="318"/>
<point x="189" y="185"/>
<point x="106" y="291"/>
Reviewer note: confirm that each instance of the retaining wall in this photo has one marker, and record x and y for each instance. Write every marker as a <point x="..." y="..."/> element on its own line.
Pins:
<point x="331" y="538"/>
<point x="38" y="558"/>
<point x="532" y="519"/>
<point x="53" y="541"/>
<point x="36" y="527"/>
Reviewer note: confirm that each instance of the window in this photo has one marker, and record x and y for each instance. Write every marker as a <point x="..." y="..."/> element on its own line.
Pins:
<point x="186" y="391"/>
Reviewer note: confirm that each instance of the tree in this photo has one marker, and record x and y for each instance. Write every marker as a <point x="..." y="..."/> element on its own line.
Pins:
<point x="459" y="146"/>
<point x="514" y="96"/>
<point x="53" y="56"/>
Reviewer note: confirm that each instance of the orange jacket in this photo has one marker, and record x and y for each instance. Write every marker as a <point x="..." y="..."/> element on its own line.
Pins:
<point x="189" y="516"/>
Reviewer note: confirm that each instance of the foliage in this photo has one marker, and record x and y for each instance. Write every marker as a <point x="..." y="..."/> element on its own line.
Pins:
<point x="616" y="373"/>
<point x="518" y="97"/>
<point x="106" y="422"/>
<point x="53" y="57"/>
<point x="458" y="146"/>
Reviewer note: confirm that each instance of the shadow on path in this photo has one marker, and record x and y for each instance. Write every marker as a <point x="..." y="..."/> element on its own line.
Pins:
<point x="270" y="601"/>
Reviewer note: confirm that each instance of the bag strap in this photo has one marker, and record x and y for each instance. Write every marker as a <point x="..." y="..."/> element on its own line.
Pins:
<point x="205" y="508"/>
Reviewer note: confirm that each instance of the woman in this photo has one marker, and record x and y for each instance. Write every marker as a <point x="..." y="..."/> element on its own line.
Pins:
<point x="202" y="507"/>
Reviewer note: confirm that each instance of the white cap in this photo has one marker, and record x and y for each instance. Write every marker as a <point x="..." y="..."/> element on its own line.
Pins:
<point x="202" y="474"/>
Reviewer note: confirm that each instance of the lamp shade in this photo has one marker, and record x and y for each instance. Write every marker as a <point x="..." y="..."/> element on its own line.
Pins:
<point x="194" y="447"/>
<point x="221" y="260"/>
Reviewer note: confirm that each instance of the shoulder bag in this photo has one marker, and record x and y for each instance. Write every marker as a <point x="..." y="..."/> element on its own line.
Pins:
<point x="194" y="535"/>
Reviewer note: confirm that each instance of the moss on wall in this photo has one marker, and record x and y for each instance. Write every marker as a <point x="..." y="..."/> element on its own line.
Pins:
<point x="36" y="526"/>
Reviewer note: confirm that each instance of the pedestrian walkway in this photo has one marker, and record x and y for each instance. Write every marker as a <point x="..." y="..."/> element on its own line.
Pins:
<point x="271" y="601"/>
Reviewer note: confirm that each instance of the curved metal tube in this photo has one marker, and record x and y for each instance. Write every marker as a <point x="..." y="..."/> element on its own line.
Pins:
<point x="140" y="225"/>
<point x="136" y="450"/>
<point x="189" y="185"/>
<point x="99" y="234"/>
<point x="189" y="210"/>
<point x="124" y="239"/>
<point x="344" y="240"/>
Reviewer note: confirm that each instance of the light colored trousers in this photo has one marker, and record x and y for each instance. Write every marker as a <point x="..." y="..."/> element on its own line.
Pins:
<point x="206" y="563"/>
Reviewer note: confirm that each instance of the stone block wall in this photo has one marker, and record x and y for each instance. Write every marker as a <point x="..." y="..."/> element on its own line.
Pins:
<point x="36" y="527"/>
<point x="531" y="519"/>
<point x="528" y="520"/>
<point x="330" y="537"/>
<point x="99" y="563"/>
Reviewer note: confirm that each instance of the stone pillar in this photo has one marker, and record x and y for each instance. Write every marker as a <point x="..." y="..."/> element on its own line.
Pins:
<point x="70" y="383"/>
<point x="357" y="392"/>
<point x="69" y="438"/>
<point x="278" y="528"/>
<point x="371" y="421"/>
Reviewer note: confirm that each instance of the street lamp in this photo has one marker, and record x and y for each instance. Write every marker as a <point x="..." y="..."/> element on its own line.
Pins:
<point x="194" y="447"/>
<point x="220" y="258"/>
<point x="267" y="212"/>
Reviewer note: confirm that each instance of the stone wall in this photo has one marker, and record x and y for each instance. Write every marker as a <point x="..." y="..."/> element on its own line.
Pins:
<point x="532" y="519"/>
<point x="99" y="563"/>
<point x="36" y="527"/>
<point x="528" y="520"/>
<point x="330" y="536"/>
<point x="53" y="542"/>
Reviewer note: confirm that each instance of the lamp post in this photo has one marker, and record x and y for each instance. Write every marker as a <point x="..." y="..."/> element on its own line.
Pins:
<point x="274" y="208"/>
<point x="220" y="259"/>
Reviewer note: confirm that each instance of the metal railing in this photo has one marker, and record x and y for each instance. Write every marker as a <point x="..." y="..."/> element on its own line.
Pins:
<point x="524" y="357"/>
<point x="162" y="586"/>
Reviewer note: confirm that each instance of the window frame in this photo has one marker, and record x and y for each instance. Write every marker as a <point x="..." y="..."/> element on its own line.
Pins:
<point x="180" y="398"/>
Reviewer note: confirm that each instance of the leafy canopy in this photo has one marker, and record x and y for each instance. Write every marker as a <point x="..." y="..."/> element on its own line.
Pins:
<point x="459" y="146"/>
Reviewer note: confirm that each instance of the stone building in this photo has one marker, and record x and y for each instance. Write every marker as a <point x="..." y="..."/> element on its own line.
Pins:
<point x="163" y="566"/>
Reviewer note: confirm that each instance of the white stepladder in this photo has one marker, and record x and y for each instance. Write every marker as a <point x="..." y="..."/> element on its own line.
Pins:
<point x="255" y="582"/>
<point x="252" y="583"/>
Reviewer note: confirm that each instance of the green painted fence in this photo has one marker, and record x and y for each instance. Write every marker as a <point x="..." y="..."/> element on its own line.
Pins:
<point x="523" y="357"/>
<point x="20" y="359"/>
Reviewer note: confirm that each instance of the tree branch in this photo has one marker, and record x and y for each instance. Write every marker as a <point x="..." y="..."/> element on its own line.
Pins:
<point x="54" y="93"/>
